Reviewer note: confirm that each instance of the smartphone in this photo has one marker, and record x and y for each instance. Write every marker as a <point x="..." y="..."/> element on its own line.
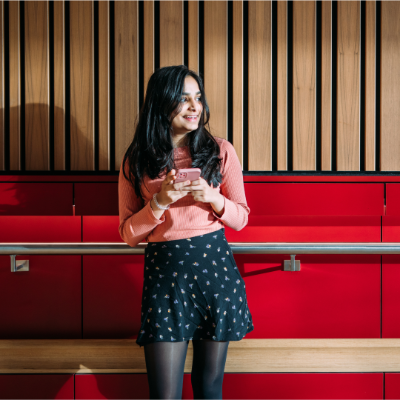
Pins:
<point x="185" y="174"/>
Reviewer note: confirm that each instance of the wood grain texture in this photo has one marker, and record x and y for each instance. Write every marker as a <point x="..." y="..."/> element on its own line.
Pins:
<point x="282" y="86"/>
<point x="15" y="86"/>
<point x="237" y="91"/>
<point x="37" y="95"/>
<point x="82" y="94"/>
<point x="247" y="355"/>
<point x="2" y="99"/>
<point x="326" y="86"/>
<point x="104" y="86"/>
<point x="148" y="42"/>
<point x="304" y="91"/>
<point x="390" y="86"/>
<point x="370" y="60"/>
<point x="171" y="33"/>
<point x="193" y="39"/>
<point x="59" y="85"/>
<point x="348" y="86"/>
<point x="216" y="65"/>
<point x="126" y="75"/>
<point x="259" y="84"/>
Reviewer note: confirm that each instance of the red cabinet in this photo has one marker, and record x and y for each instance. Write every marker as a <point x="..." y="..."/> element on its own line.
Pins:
<point x="96" y="198"/>
<point x="392" y="386"/>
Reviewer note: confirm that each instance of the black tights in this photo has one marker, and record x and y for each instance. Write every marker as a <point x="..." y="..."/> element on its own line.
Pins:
<point x="165" y="364"/>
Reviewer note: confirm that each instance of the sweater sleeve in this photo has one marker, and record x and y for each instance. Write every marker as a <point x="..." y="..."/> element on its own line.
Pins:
<point x="235" y="212"/>
<point x="136" y="220"/>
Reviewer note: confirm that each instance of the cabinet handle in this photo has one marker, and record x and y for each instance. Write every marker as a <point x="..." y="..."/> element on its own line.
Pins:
<point x="18" y="265"/>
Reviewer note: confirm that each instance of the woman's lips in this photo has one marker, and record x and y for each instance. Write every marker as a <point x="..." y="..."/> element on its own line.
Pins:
<point x="192" y="119"/>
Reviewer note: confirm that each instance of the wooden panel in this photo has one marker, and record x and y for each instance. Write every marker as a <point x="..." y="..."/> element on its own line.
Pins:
<point x="216" y="64"/>
<point x="193" y="38"/>
<point x="247" y="355"/>
<point x="82" y="93"/>
<point x="370" y="59"/>
<point x="37" y="95"/>
<point x="326" y="86"/>
<point x="86" y="197"/>
<point x="390" y="86"/>
<point x="104" y="86"/>
<point x="282" y="85"/>
<point x="304" y="56"/>
<point x="259" y="106"/>
<point x="148" y="42"/>
<point x="348" y="86"/>
<point x="237" y="90"/>
<point x="126" y="75"/>
<point x="171" y="33"/>
<point x="15" y="86"/>
<point x="2" y="99"/>
<point x="59" y="85"/>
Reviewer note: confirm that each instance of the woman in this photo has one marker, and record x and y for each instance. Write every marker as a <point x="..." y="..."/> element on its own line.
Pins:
<point x="192" y="289"/>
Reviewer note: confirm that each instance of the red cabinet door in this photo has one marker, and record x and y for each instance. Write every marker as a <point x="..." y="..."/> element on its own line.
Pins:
<point x="392" y="386"/>
<point x="20" y="386"/>
<point x="96" y="198"/>
<point x="101" y="228"/>
<point x="392" y="199"/>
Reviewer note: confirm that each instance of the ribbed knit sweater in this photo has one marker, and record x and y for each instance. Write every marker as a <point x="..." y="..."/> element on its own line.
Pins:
<point x="186" y="217"/>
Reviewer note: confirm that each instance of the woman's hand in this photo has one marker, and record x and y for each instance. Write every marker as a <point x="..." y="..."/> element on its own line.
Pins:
<point x="171" y="192"/>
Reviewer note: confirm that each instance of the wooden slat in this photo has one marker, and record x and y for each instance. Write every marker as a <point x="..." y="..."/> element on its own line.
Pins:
<point x="247" y="355"/>
<point x="126" y="75"/>
<point x="104" y="86"/>
<point x="171" y="33"/>
<point x="37" y="96"/>
<point x="82" y="94"/>
<point x="59" y="85"/>
<point x="348" y="86"/>
<point x="2" y="144"/>
<point x="370" y="59"/>
<point x="259" y="84"/>
<point x="148" y="42"/>
<point x="304" y="92"/>
<point x="216" y="64"/>
<point x="390" y="86"/>
<point x="282" y="86"/>
<point x="237" y="92"/>
<point x="15" y="86"/>
<point x="326" y="86"/>
<point x="193" y="38"/>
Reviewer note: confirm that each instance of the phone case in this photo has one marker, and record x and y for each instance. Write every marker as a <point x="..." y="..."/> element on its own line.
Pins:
<point x="185" y="174"/>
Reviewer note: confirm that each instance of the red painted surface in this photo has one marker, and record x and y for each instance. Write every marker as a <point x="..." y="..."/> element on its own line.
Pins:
<point x="44" y="302"/>
<point x="309" y="228"/>
<point x="391" y="229"/>
<point x="390" y="295"/>
<point x="96" y="198"/>
<point x="392" y="199"/>
<point x="315" y="198"/>
<point x="333" y="296"/>
<point x="101" y="229"/>
<point x="392" y="386"/>
<point x="112" y="292"/>
<point x="36" y="198"/>
<point x="40" y="229"/>
<point x="48" y="386"/>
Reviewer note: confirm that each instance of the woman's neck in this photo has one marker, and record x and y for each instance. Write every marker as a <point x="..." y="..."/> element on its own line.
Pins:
<point x="181" y="142"/>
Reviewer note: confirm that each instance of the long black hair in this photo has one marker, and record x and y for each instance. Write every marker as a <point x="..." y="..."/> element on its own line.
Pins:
<point x="151" y="151"/>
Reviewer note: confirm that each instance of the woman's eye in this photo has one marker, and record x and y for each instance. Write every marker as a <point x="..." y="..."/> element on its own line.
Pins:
<point x="184" y="98"/>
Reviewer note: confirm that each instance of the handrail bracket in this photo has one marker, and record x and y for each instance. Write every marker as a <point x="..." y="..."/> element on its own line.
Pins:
<point x="292" y="264"/>
<point x="18" y="265"/>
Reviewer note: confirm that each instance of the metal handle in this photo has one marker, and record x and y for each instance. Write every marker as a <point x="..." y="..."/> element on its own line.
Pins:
<point x="18" y="265"/>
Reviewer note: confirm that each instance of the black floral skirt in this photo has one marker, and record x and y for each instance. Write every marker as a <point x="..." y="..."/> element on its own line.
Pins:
<point x="192" y="289"/>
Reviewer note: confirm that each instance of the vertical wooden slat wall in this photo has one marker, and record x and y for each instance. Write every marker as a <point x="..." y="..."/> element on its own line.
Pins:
<point x="390" y="86"/>
<point x="37" y="96"/>
<point x="81" y="80"/>
<point x="32" y="127"/>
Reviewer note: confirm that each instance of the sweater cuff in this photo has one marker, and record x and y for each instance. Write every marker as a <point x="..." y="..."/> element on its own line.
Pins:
<point x="152" y="217"/>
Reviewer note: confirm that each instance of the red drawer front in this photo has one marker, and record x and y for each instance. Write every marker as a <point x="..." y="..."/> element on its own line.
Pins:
<point x="40" y="229"/>
<point x="57" y="386"/>
<point x="315" y="198"/>
<point x="96" y="198"/>
<point x="390" y="295"/>
<point x="392" y="199"/>
<point x="44" y="302"/>
<point x="392" y="386"/>
<point x="36" y="198"/>
<point x="391" y="229"/>
<point x="101" y="229"/>
<point x="112" y="293"/>
<point x="333" y="296"/>
<point x="295" y="228"/>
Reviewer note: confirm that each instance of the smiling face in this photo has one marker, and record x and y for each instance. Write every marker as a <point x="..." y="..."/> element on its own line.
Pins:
<point x="188" y="119"/>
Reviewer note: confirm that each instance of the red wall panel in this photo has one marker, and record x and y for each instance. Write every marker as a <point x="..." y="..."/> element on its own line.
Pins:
<point x="391" y="229"/>
<point x="101" y="229"/>
<point x="96" y="198"/>
<point x="392" y="199"/>
<point x="392" y="386"/>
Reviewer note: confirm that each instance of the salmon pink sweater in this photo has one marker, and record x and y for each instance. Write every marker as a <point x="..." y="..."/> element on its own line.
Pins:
<point x="186" y="217"/>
